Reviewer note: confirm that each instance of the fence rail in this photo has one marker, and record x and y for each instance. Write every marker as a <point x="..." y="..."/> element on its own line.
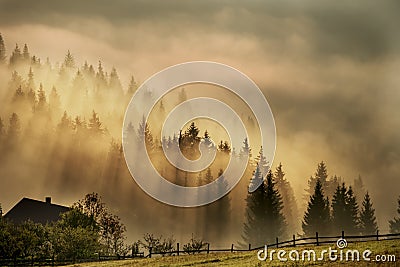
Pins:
<point x="294" y="242"/>
<point x="304" y="241"/>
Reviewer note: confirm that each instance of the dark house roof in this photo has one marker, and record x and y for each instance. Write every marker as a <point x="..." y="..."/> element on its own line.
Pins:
<point x="36" y="211"/>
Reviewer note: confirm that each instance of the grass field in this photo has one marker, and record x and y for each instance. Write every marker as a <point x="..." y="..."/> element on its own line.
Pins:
<point x="390" y="247"/>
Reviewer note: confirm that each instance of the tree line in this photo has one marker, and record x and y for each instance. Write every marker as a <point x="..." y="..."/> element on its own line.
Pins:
<point x="85" y="231"/>
<point x="265" y="220"/>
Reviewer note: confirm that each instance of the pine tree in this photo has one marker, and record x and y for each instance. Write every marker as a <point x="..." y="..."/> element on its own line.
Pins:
<point x="182" y="97"/>
<point x="115" y="83"/>
<point x="254" y="231"/>
<point x="25" y="54"/>
<point x="31" y="80"/>
<point x="14" y="127"/>
<point x="16" y="55"/>
<point x="290" y="209"/>
<point x="192" y="133"/>
<point x="339" y="210"/>
<point x="101" y="80"/>
<point x="358" y="188"/>
<point x="246" y="150"/>
<point x="95" y="126"/>
<point x="69" y="61"/>
<point x="395" y="223"/>
<point x="145" y="135"/>
<point x="317" y="215"/>
<point x="54" y="101"/>
<point x="133" y="86"/>
<point x="321" y="174"/>
<point x="2" y="51"/>
<point x="345" y="211"/>
<point x="19" y="95"/>
<point x="2" y="130"/>
<point x="368" y="225"/>
<point x="276" y="223"/>
<point x="65" y="123"/>
<point x="352" y="227"/>
<point x="264" y="218"/>
<point x="79" y="84"/>
<point x="261" y="160"/>
<point x="42" y="102"/>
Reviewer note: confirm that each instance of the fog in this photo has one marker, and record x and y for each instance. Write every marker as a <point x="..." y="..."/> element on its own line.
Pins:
<point x="329" y="72"/>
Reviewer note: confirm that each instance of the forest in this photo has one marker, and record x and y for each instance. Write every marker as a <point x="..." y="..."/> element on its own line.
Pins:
<point x="60" y="134"/>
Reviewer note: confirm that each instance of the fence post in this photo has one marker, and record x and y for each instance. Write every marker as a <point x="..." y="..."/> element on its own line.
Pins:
<point x="277" y="241"/>
<point x="249" y="247"/>
<point x="150" y="249"/>
<point x="177" y="249"/>
<point x="208" y="248"/>
<point x="294" y="240"/>
<point x="377" y="235"/>
<point x="232" y="248"/>
<point x="316" y="238"/>
<point x="342" y="234"/>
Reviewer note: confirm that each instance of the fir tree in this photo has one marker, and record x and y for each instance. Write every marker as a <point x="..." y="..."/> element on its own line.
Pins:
<point x="224" y="209"/>
<point x="42" y="102"/>
<point x="2" y="131"/>
<point x="368" y="225"/>
<point x="261" y="160"/>
<point x="16" y="55"/>
<point x="14" y="127"/>
<point x="2" y="51"/>
<point x="133" y="86"/>
<point x="182" y="97"/>
<point x="345" y="210"/>
<point x="65" y="123"/>
<point x="328" y="185"/>
<point x="317" y="216"/>
<point x="352" y="226"/>
<point x="395" y="223"/>
<point x="95" y="126"/>
<point x="290" y="210"/>
<point x="54" y="101"/>
<point x="31" y="81"/>
<point x="246" y="150"/>
<point x="254" y="231"/>
<point x="69" y="61"/>
<point x="145" y="135"/>
<point x="25" y="54"/>
<point x="115" y="83"/>
<point x="19" y="95"/>
<point x="264" y="218"/>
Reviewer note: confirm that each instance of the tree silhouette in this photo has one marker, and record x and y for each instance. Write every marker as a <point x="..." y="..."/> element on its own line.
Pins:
<point x="395" y="223"/>
<point x="253" y="230"/>
<point x="16" y="56"/>
<point x="69" y="61"/>
<point x="2" y="51"/>
<point x="25" y="54"/>
<point x="42" y="101"/>
<point x="368" y="225"/>
<point x="95" y="126"/>
<point x="132" y="87"/>
<point x="317" y="215"/>
<point x="246" y="150"/>
<point x="345" y="210"/>
<point x="290" y="210"/>
<point x="264" y="218"/>
<point x="14" y="127"/>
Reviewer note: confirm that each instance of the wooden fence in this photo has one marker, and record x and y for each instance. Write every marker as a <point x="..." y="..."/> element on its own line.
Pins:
<point x="315" y="240"/>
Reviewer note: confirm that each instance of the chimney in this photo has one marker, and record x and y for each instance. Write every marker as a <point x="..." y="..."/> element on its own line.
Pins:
<point x="48" y="200"/>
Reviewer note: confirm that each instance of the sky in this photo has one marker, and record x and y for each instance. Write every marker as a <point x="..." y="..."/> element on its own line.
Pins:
<point x="329" y="69"/>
